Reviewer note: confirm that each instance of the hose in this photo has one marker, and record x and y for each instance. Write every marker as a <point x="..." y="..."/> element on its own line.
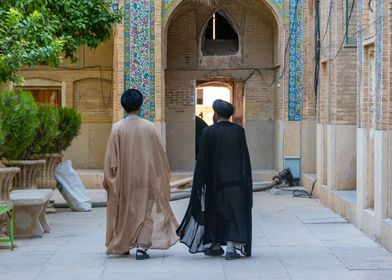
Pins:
<point x="277" y="182"/>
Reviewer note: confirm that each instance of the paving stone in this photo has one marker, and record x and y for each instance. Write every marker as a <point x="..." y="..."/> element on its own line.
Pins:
<point x="293" y="238"/>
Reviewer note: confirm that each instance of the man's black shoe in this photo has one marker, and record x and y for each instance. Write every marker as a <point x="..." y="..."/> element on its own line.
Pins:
<point x="142" y="255"/>
<point x="232" y="256"/>
<point x="212" y="252"/>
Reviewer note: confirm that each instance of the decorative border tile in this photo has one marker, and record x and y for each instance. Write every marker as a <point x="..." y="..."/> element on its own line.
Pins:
<point x="296" y="53"/>
<point x="280" y="5"/>
<point x="139" y="51"/>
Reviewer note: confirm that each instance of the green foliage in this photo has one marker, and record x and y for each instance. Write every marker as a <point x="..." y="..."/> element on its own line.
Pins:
<point x="26" y="38"/>
<point x="2" y="136"/>
<point x="37" y="31"/>
<point x="18" y="119"/>
<point x="47" y="133"/>
<point x="69" y="128"/>
<point x="84" y="23"/>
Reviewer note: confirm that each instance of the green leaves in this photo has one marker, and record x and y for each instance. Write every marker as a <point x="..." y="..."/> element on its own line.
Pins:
<point x="26" y="39"/>
<point x="19" y="122"/>
<point x="38" y="31"/>
<point x="28" y="131"/>
<point x="48" y="131"/>
<point x="69" y="128"/>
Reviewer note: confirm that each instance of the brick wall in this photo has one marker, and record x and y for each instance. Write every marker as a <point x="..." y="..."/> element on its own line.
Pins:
<point x="87" y="87"/>
<point x="309" y="97"/>
<point x="370" y="116"/>
<point x="338" y="75"/>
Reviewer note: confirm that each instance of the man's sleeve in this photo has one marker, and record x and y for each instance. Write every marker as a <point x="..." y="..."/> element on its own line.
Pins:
<point x="110" y="165"/>
<point x="247" y="168"/>
<point x="200" y="170"/>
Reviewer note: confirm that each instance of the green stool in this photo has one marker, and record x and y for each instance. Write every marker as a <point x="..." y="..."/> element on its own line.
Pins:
<point x="9" y="210"/>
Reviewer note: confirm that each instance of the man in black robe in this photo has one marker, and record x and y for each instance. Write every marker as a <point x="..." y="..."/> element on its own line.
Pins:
<point x="200" y="125"/>
<point x="220" y="207"/>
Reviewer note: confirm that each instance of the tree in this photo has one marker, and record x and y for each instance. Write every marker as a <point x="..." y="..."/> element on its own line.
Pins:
<point x="39" y="31"/>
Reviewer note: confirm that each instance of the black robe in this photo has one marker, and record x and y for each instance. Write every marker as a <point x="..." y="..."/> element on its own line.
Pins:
<point x="220" y="207"/>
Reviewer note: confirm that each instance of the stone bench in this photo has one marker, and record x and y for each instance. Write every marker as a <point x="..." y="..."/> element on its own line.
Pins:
<point x="30" y="212"/>
<point x="182" y="183"/>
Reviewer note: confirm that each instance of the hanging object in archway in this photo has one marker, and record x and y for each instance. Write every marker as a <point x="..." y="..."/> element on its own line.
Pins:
<point x="207" y="2"/>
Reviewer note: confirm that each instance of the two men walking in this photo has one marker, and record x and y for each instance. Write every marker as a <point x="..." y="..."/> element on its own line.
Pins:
<point x="137" y="178"/>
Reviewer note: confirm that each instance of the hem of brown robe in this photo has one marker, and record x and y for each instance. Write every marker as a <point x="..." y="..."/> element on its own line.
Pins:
<point x="125" y="250"/>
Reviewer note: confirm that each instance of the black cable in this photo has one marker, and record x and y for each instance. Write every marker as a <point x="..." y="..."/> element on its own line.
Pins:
<point x="305" y="193"/>
<point x="262" y="77"/>
<point x="105" y="104"/>
<point x="329" y="18"/>
<point x="318" y="48"/>
<point x="345" y="33"/>
<point x="313" y="185"/>
<point x="301" y="193"/>
<point x="370" y="7"/>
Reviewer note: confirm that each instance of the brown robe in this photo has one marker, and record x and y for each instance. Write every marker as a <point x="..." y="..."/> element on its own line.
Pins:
<point x="138" y="176"/>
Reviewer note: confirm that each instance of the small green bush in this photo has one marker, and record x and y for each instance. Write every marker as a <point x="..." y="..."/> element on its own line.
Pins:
<point x="47" y="133"/>
<point x="2" y="136"/>
<point x="69" y="128"/>
<point x="18" y="119"/>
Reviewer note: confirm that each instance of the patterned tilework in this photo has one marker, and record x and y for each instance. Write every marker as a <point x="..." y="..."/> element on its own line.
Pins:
<point x="139" y="51"/>
<point x="166" y="6"/>
<point x="360" y="59"/>
<point x="379" y="62"/>
<point x="296" y="73"/>
<point x="280" y="5"/>
<point x="115" y="5"/>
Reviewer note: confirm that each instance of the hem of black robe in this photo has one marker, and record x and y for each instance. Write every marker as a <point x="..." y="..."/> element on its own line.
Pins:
<point x="240" y="248"/>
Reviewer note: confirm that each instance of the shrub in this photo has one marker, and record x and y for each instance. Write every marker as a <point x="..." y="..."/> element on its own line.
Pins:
<point x="69" y="128"/>
<point x="18" y="119"/>
<point x="2" y="136"/>
<point x="47" y="133"/>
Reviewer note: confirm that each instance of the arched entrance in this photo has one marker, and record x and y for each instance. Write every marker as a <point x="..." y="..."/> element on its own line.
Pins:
<point x="244" y="46"/>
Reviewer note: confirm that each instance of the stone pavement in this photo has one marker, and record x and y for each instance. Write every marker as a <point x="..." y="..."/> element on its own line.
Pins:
<point x="294" y="238"/>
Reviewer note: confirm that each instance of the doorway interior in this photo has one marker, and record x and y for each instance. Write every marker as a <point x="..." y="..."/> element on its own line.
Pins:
<point x="206" y="94"/>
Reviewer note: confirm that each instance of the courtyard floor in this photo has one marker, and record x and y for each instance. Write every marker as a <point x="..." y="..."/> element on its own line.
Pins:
<point x="293" y="238"/>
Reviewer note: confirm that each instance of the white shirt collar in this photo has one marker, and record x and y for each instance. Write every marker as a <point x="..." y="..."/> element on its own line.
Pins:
<point x="131" y="117"/>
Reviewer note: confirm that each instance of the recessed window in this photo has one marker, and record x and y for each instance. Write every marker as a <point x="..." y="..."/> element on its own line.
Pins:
<point x="220" y="38"/>
<point x="45" y="95"/>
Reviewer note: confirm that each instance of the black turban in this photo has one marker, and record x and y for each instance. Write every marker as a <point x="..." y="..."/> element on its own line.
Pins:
<point x="131" y="100"/>
<point x="223" y="108"/>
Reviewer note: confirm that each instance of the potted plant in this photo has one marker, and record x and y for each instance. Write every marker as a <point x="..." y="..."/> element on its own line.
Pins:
<point x="6" y="177"/>
<point x="67" y="128"/>
<point x="19" y="123"/>
<point x="44" y="140"/>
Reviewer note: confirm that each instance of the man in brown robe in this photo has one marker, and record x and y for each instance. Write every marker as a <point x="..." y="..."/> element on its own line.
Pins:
<point x="137" y="179"/>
